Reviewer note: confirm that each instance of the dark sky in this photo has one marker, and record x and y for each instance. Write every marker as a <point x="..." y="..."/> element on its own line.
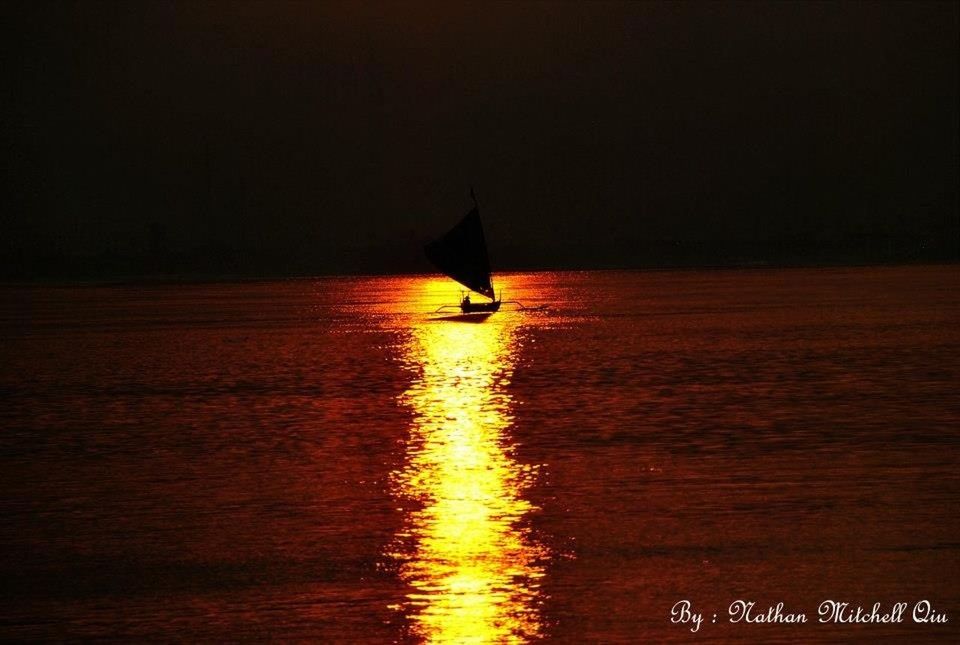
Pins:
<point x="287" y="138"/>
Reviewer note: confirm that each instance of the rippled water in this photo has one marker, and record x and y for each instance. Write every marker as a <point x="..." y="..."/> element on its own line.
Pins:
<point x="328" y="460"/>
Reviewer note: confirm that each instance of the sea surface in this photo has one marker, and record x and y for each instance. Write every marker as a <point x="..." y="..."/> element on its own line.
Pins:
<point x="329" y="460"/>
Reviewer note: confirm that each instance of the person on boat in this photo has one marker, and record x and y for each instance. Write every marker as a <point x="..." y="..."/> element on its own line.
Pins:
<point x="466" y="300"/>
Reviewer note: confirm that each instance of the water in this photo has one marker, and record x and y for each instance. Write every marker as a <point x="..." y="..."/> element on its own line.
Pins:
<point x="322" y="459"/>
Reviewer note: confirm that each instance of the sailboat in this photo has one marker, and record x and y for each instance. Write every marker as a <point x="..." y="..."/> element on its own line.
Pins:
<point x="462" y="255"/>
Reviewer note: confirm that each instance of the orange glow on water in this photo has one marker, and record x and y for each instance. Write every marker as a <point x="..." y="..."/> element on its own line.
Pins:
<point x="472" y="565"/>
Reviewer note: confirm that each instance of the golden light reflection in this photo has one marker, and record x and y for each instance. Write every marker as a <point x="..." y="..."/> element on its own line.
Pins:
<point x="473" y="566"/>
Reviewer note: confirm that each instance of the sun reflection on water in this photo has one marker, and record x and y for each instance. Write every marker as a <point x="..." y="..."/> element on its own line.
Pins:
<point x="473" y="566"/>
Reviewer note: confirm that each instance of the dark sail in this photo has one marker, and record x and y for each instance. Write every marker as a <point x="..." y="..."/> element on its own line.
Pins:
<point x="462" y="254"/>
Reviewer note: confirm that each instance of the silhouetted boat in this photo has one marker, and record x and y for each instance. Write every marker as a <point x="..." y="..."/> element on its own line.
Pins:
<point x="462" y="255"/>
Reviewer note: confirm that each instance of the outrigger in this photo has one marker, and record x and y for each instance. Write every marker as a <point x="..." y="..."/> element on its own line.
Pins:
<point x="462" y="254"/>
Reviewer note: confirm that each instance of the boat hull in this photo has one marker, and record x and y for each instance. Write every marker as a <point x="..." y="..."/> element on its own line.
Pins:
<point x="479" y="307"/>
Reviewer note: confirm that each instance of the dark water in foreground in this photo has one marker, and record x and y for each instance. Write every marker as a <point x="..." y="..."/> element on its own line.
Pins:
<point x="319" y="459"/>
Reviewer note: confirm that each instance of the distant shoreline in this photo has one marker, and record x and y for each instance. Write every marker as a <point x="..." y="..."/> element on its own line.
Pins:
<point x="202" y="278"/>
